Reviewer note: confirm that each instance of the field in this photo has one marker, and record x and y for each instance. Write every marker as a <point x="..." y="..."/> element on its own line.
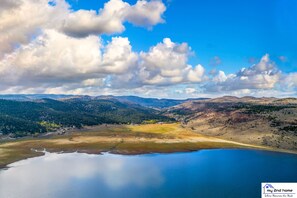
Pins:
<point x="121" y="139"/>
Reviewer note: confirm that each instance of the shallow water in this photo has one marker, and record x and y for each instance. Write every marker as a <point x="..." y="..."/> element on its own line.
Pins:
<point x="206" y="173"/>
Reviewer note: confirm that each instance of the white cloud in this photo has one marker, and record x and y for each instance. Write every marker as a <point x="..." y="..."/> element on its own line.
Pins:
<point x="220" y="77"/>
<point x="145" y="13"/>
<point x="85" y="22"/>
<point x="20" y="20"/>
<point x="167" y="63"/>
<point x="164" y="64"/>
<point x="196" y="74"/>
<point x="55" y="62"/>
<point x="23" y="20"/>
<point x="263" y="75"/>
<point x="110" y="19"/>
<point x="54" y="59"/>
<point x="118" y="57"/>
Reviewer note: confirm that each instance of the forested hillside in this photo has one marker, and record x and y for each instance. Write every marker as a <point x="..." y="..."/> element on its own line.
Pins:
<point x="28" y="117"/>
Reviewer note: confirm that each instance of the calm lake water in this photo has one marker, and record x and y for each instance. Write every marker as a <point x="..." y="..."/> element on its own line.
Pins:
<point x="206" y="173"/>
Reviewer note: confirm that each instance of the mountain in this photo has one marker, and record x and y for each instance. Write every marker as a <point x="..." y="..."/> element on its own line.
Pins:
<point x="38" y="116"/>
<point x="261" y="121"/>
<point x="149" y="102"/>
<point x="30" y="97"/>
<point x="146" y="102"/>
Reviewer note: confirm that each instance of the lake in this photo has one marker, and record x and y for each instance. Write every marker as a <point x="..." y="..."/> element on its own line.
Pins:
<point x="206" y="173"/>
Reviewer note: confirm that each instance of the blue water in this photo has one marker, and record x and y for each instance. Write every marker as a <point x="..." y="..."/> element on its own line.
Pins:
<point x="207" y="173"/>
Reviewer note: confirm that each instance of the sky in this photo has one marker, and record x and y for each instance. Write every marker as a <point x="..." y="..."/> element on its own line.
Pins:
<point x="163" y="49"/>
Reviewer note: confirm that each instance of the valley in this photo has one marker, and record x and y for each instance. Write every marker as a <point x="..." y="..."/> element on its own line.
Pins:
<point x="105" y="124"/>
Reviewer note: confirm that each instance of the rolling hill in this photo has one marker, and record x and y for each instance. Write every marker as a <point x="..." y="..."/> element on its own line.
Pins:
<point x="261" y="121"/>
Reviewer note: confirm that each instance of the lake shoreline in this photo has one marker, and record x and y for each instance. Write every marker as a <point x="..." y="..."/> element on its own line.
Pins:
<point x="125" y="153"/>
<point x="123" y="140"/>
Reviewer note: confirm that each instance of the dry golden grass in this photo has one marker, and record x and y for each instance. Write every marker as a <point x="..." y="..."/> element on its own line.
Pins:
<point x="124" y="139"/>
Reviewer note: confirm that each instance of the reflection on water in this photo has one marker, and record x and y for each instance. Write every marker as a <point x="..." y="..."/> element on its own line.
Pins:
<point x="232" y="173"/>
<point x="54" y="172"/>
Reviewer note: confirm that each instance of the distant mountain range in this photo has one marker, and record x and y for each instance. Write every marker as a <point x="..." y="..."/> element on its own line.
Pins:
<point x="150" y="102"/>
<point x="146" y="102"/>
<point x="30" y="97"/>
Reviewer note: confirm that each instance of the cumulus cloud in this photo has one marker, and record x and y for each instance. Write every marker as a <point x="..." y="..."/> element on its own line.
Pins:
<point x="145" y="13"/>
<point x="46" y="46"/>
<point x="164" y="64"/>
<point x="54" y="59"/>
<point x="167" y="63"/>
<point x="57" y="62"/>
<point x="263" y="75"/>
<point x="110" y="19"/>
<point x="196" y="74"/>
<point x="85" y="22"/>
<point x="118" y="56"/>
<point x="22" y="20"/>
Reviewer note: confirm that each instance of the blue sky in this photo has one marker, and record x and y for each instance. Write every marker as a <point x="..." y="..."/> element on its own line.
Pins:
<point x="236" y="31"/>
<point x="151" y="48"/>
